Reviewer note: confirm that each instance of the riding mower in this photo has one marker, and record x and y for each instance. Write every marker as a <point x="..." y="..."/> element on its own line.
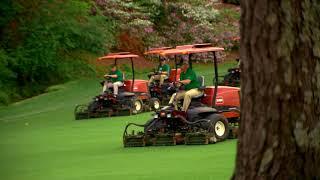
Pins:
<point x="212" y="116"/>
<point x="232" y="78"/>
<point x="133" y="97"/>
<point x="163" y="92"/>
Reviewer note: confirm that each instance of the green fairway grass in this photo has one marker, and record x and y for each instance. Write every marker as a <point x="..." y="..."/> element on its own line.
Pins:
<point x="40" y="140"/>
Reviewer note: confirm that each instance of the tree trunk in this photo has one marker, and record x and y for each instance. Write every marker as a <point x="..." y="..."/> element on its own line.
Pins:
<point x="280" y="90"/>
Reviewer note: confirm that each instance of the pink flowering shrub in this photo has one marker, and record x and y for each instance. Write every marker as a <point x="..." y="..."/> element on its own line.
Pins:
<point x="168" y="23"/>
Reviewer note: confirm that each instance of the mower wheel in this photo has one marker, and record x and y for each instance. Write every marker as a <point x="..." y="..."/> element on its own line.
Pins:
<point x="219" y="126"/>
<point x="136" y="106"/>
<point x="154" y="103"/>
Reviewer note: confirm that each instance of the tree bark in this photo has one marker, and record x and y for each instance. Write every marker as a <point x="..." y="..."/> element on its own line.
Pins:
<point x="280" y="90"/>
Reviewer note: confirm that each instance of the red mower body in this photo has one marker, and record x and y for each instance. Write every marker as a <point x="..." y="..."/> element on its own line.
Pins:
<point x="173" y="77"/>
<point x="140" y="86"/>
<point x="226" y="96"/>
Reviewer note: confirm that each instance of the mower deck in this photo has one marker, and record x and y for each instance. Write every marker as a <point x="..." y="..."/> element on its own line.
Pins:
<point x="197" y="138"/>
<point x="82" y="112"/>
<point x="203" y="137"/>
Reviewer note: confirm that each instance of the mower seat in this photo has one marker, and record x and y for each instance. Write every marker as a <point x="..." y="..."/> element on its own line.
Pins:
<point x="201" y="81"/>
<point x="201" y="88"/>
<point x="195" y="111"/>
<point x="121" y="89"/>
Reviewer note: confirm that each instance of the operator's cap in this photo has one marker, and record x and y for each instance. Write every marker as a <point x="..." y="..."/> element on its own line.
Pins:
<point x="185" y="62"/>
<point x="163" y="59"/>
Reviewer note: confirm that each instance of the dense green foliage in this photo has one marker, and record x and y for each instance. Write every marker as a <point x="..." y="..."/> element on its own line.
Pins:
<point x="41" y="141"/>
<point x="45" y="42"/>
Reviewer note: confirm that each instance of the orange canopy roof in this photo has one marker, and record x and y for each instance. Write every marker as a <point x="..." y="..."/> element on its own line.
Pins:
<point x="190" y="50"/>
<point x="194" y="46"/>
<point x="184" y="49"/>
<point x="120" y="55"/>
<point x="157" y="50"/>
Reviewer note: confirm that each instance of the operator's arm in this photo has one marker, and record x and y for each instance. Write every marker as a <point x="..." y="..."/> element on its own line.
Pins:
<point x="186" y="81"/>
<point x="190" y="76"/>
<point x="112" y="76"/>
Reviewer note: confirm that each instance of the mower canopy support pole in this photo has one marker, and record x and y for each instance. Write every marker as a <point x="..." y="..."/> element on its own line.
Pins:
<point x="215" y="79"/>
<point x="176" y="66"/>
<point x="190" y="61"/>
<point x="132" y="67"/>
<point x="159" y="61"/>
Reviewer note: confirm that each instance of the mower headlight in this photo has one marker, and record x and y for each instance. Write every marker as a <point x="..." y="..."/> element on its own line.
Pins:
<point x="156" y="116"/>
<point x="97" y="99"/>
<point x="163" y="114"/>
<point x="168" y="115"/>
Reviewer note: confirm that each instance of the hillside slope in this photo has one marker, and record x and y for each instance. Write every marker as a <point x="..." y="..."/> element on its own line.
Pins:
<point x="39" y="139"/>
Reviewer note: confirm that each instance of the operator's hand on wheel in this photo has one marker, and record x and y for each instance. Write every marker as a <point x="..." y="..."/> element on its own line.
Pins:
<point x="178" y="84"/>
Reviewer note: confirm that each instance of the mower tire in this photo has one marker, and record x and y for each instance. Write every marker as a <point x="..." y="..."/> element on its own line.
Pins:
<point x="219" y="126"/>
<point x="154" y="103"/>
<point x="136" y="106"/>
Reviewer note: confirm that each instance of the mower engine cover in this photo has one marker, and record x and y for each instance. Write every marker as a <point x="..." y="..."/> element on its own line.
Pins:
<point x="173" y="77"/>
<point x="226" y="96"/>
<point x="140" y="86"/>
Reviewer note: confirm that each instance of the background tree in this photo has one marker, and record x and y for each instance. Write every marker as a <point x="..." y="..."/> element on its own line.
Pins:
<point x="280" y="120"/>
<point x="45" y="42"/>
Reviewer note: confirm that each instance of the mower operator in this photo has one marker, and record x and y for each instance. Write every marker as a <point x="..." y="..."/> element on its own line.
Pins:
<point x="163" y="70"/>
<point x="191" y="84"/>
<point x="116" y="80"/>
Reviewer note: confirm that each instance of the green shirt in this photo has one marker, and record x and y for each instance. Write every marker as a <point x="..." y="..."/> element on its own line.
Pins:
<point x="119" y="76"/>
<point x="165" y="68"/>
<point x="191" y="75"/>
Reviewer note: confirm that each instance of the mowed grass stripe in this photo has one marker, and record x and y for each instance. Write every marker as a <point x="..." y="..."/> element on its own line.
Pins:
<point x="39" y="139"/>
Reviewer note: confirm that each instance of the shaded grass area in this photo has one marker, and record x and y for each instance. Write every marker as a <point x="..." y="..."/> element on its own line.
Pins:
<point x="39" y="139"/>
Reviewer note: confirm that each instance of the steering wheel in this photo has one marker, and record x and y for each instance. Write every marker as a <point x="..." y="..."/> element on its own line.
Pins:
<point x="178" y="85"/>
<point x="106" y="79"/>
<point x="154" y="73"/>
